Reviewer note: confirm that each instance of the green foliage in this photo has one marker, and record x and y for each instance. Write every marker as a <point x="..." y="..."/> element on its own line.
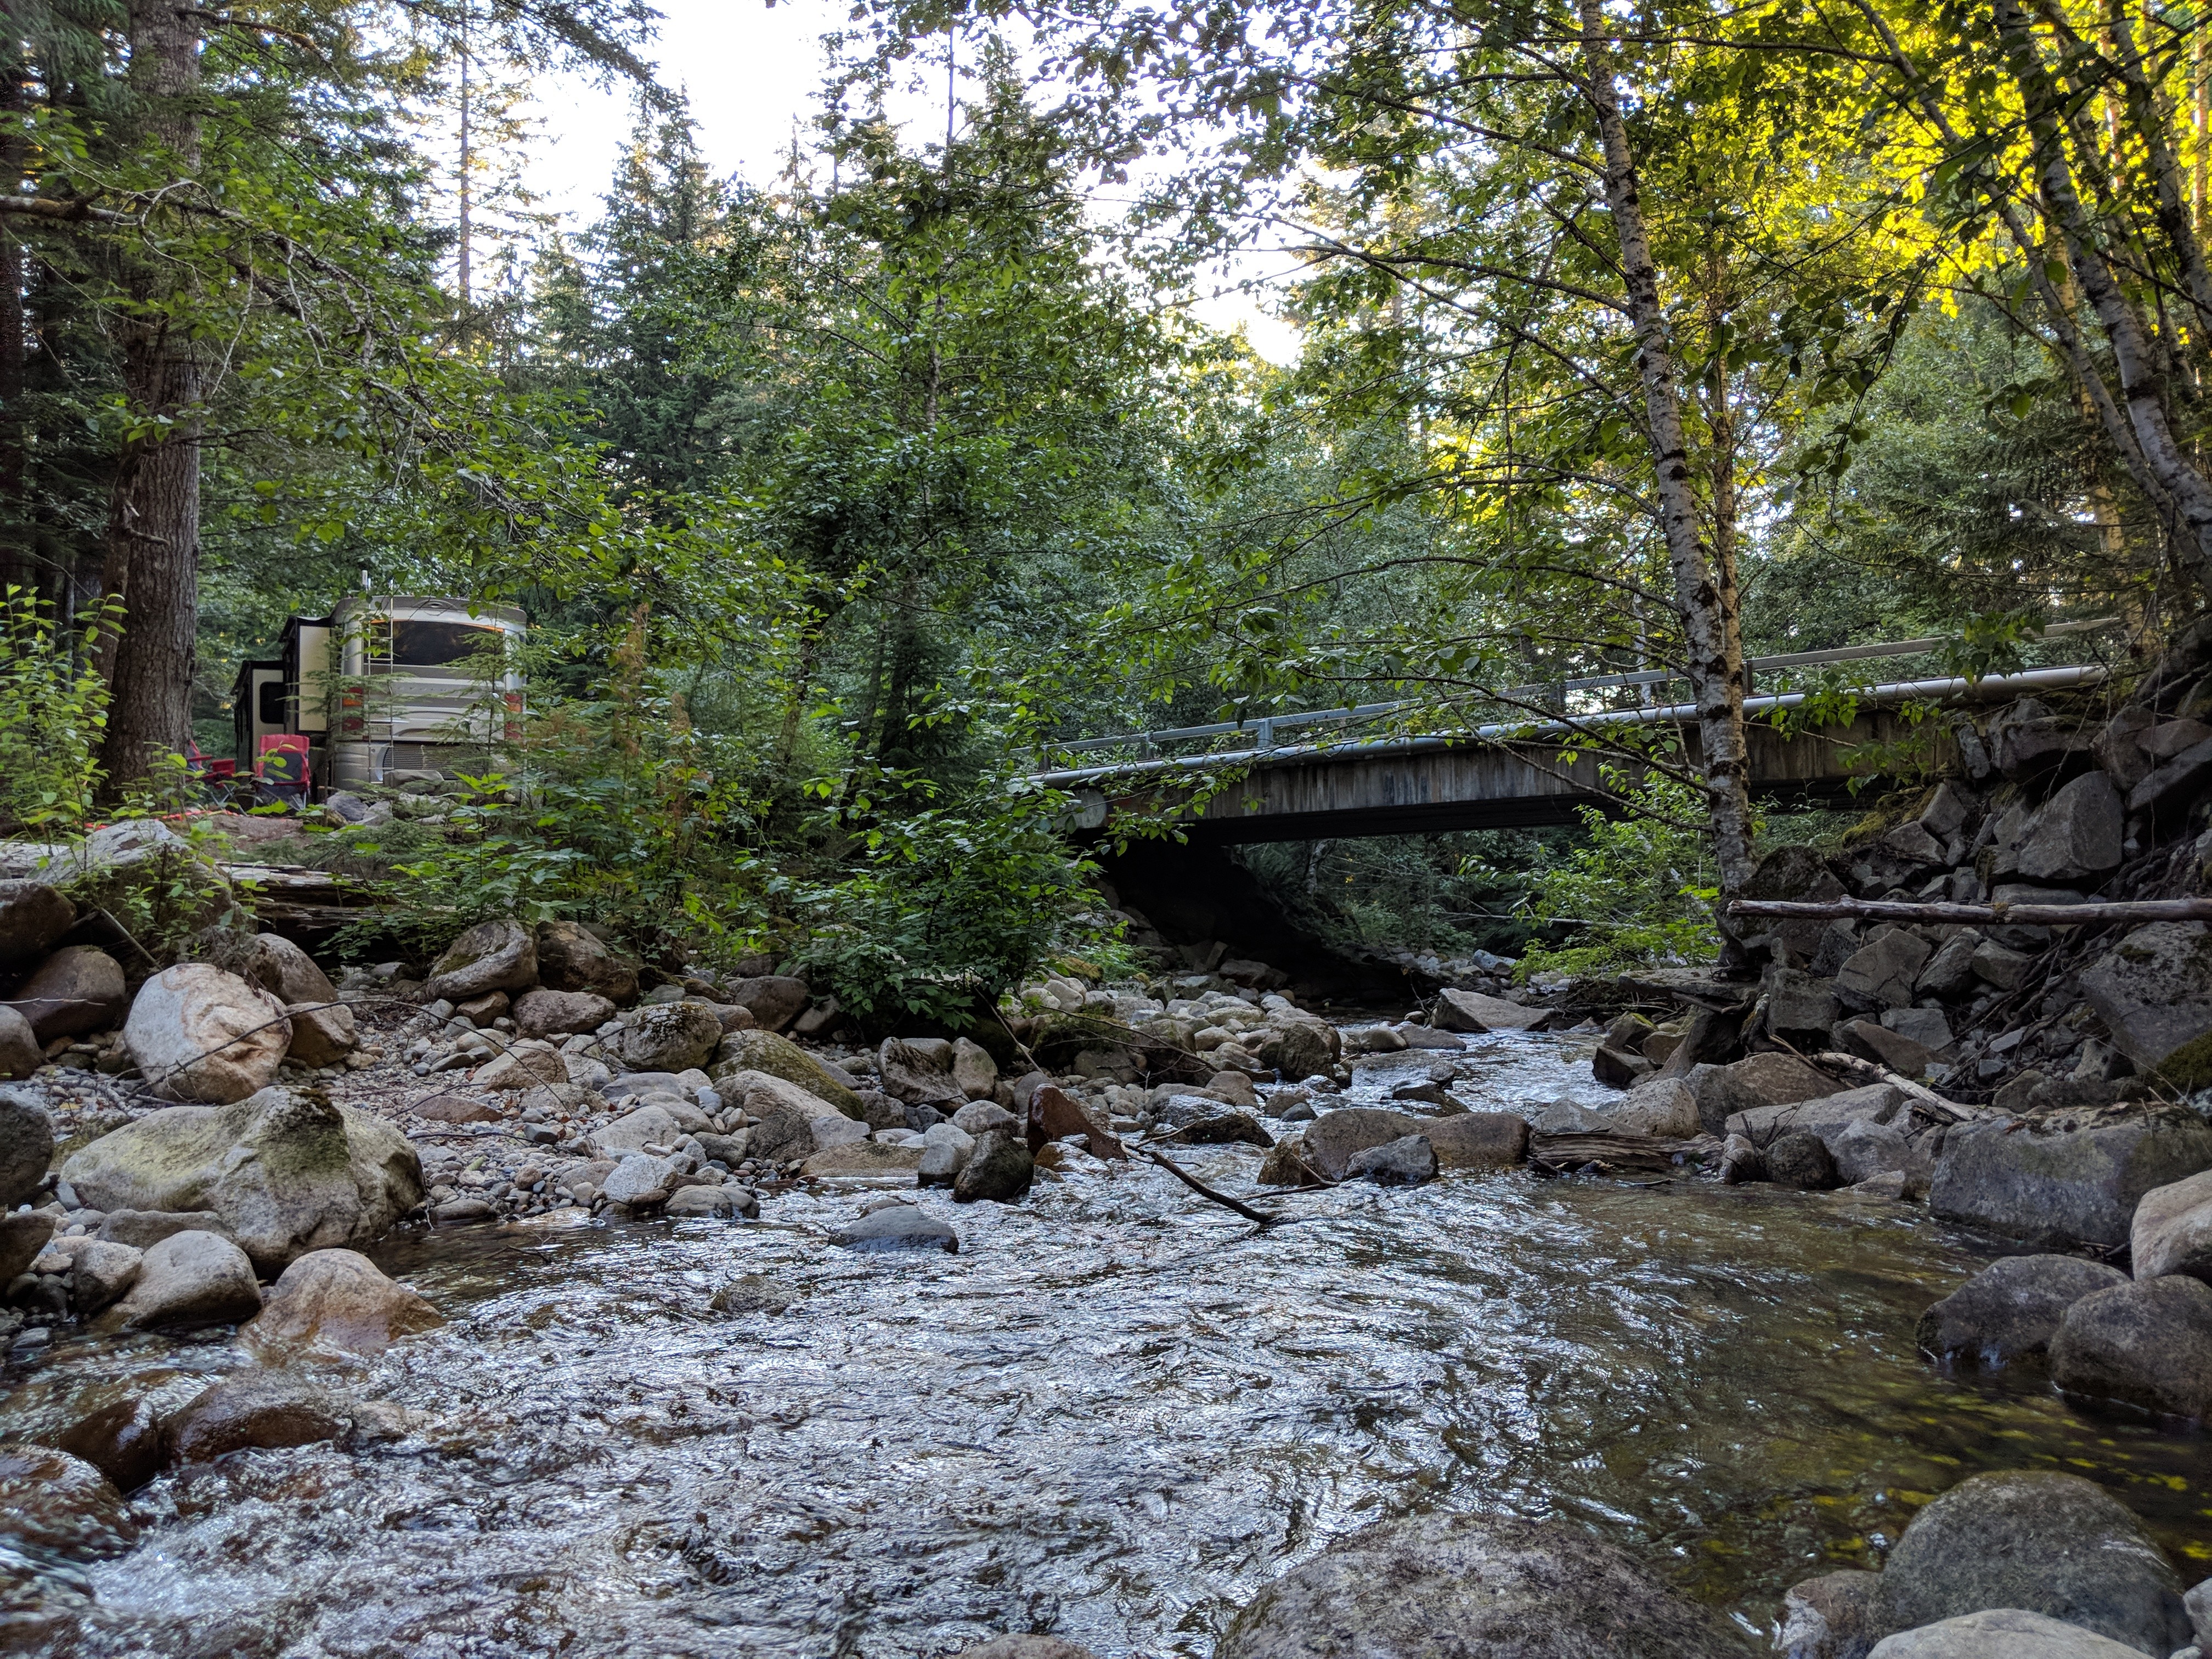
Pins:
<point x="53" y="708"/>
<point x="1638" y="891"/>
<point x="948" y="907"/>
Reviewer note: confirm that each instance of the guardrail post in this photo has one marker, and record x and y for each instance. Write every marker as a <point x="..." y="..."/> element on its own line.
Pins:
<point x="1264" y="734"/>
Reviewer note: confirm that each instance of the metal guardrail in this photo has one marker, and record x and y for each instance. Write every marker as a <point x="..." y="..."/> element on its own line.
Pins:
<point x="1264" y="747"/>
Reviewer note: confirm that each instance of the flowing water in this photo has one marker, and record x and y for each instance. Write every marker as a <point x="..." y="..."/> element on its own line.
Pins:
<point x="1115" y="1415"/>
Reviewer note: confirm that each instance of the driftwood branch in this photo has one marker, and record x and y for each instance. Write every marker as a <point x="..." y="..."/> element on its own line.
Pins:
<point x="1204" y="1191"/>
<point x="2039" y="915"/>
<point x="1865" y="1072"/>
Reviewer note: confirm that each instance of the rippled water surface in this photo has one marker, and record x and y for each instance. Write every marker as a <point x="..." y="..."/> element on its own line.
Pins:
<point x="1115" y="1415"/>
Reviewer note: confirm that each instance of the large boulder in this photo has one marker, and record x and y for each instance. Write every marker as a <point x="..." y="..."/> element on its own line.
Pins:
<point x="33" y="918"/>
<point x="1824" y="1116"/>
<point x="670" y="1037"/>
<point x="27" y="1145"/>
<point x="23" y="1235"/>
<point x="2001" y="1633"/>
<point x="2045" y="1184"/>
<point x="498" y="955"/>
<point x="57" y="1506"/>
<point x="1797" y="874"/>
<point x="1055" y="1114"/>
<point x="287" y="1171"/>
<point x="1657" y="1106"/>
<point x="1471" y="1587"/>
<point x="323" y="1030"/>
<point x="774" y="999"/>
<point x="2047" y="1543"/>
<point x="335" y="1302"/>
<point x="2147" y="1343"/>
<point x="1001" y="1169"/>
<point x="1759" y="1080"/>
<point x="1295" y="1048"/>
<point x="2010" y="1309"/>
<point x="1407" y="1161"/>
<point x="1332" y="1138"/>
<point x="254" y="1410"/>
<point x="764" y="1051"/>
<point x="918" y="1070"/>
<point x="1471" y="1011"/>
<point x="199" y="1033"/>
<point x="1883" y="972"/>
<point x="977" y="1074"/>
<point x="2076" y="835"/>
<point x="73" y="991"/>
<point x="2171" y="1232"/>
<point x="897" y="1227"/>
<point x="20" y="1052"/>
<point x="571" y="957"/>
<point x="1478" y="1140"/>
<point x="796" y="1130"/>
<point x="189" y="1279"/>
<point x="547" y="1013"/>
<point x="2153" y="992"/>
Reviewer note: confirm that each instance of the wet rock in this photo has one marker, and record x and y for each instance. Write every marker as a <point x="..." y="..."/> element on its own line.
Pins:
<point x="255" y="1410"/>
<point x="1055" y="1114"/>
<point x="545" y="1013"/>
<point x="897" y="1227"/>
<point x="1883" y="972"/>
<point x="752" y="1294"/>
<point x="73" y="991"/>
<point x="22" y="1236"/>
<point x="1296" y="1048"/>
<point x="335" y="1302"/>
<point x="1471" y="1011"/>
<point x="866" y="1160"/>
<point x="944" y="1148"/>
<point x="1617" y="1070"/>
<point x="122" y="1439"/>
<point x="1001" y="1169"/>
<point x="143" y="1229"/>
<point x="764" y="1051"/>
<point x="1478" y="1140"/>
<point x="1800" y="1159"/>
<point x="2002" y="1633"/>
<point x="2153" y="991"/>
<point x="1722" y="1092"/>
<point x="1835" y="1616"/>
<point x="671" y="1036"/>
<point x="2010" y="1309"/>
<point x="54" y="1505"/>
<point x="1025" y="1647"/>
<point x="199" y="1033"/>
<point x="570" y="957"/>
<point x="287" y="1171"/>
<point x="1662" y="1106"/>
<point x="1335" y="1137"/>
<point x="33" y="918"/>
<point x="2146" y="1343"/>
<point x="792" y="1130"/>
<point x="27" y="1145"/>
<point x="462" y="1212"/>
<point x="773" y="1000"/>
<point x="725" y="1202"/>
<point x="1741" y="1161"/>
<point x="1225" y="1129"/>
<point x="500" y="954"/>
<point x="1287" y="1165"/>
<point x="1406" y="1162"/>
<point x="187" y="1279"/>
<point x="2053" y="1544"/>
<point x="101" y="1273"/>
<point x="2076" y="835"/>
<point x="2171" y="1230"/>
<point x="1469" y="1587"/>
<point x="2042" y="1183"/>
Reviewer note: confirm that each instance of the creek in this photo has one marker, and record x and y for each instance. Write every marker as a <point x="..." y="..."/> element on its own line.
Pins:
<point x="1115" y="1415"/>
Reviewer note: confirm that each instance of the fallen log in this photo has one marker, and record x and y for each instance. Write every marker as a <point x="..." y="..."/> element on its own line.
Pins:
<point x="1645" y="1154"/>
<point x="1864" y="1072"/>
<point x="2034" y="915"/>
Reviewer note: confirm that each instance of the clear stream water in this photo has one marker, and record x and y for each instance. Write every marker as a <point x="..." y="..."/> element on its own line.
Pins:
<point x="1115" y="1415"/>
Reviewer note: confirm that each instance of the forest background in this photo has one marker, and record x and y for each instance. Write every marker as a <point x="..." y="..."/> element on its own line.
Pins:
<point x="1632" y="336"/>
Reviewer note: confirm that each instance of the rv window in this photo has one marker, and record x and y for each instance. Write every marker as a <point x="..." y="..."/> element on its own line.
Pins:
<point x="270" y="703"/>
<point x="435" y="644"/>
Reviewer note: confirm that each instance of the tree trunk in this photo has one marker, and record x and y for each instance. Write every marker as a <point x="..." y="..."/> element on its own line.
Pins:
<point x="1715" y="647"/>
<point x="153" y="515"/>
<point x="19" y="566"/>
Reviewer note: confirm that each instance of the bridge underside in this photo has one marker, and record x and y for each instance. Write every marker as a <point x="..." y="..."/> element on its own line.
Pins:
<point x="1492" y="786"/>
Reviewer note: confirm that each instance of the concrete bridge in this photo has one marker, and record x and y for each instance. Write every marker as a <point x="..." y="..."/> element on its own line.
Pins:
<point x="1347" y="772"/>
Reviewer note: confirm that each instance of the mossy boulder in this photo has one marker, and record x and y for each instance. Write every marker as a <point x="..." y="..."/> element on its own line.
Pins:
<point x="287" y="1171"/>
<point x="764" y="1051"/>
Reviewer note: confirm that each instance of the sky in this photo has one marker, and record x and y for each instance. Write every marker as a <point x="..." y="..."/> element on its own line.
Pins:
<point x="752" y="73"/>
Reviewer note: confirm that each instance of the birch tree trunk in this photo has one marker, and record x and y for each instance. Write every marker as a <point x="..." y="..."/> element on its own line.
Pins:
<point x="1702" y="594"/>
